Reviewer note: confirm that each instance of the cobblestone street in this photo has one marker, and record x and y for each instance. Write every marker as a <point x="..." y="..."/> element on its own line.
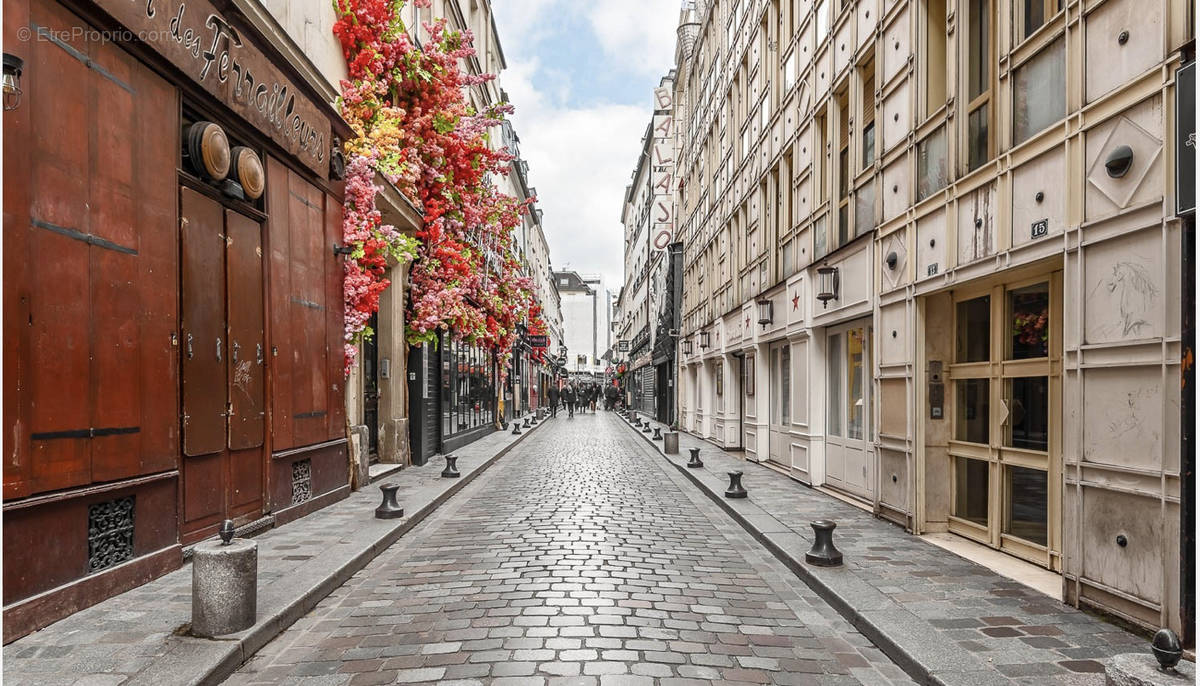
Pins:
<point x="580" y="558"/>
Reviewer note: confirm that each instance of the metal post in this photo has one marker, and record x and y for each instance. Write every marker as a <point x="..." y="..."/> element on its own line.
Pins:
<point x="1187" y="442"/>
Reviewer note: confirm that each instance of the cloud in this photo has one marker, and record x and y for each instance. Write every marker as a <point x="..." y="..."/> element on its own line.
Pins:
<point x="581" y="76"/>
<point x="580" y="160"/>
<point x="637" y="35"/>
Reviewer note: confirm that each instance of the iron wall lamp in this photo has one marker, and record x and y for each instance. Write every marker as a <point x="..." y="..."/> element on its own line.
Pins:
<point x="13" y="66"/>
<point x="766" y="312"/>
<point x="687" y="346"/>
<point x="827" y="284"/>
<point x="705" y="336"/>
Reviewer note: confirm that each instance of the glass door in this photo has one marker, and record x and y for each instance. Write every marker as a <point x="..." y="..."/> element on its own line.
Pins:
<point x="1006" y="395"/>
<point x="849" y="452"/>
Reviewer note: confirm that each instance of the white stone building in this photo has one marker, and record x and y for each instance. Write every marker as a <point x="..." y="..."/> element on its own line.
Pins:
<point x="932" y="254"/>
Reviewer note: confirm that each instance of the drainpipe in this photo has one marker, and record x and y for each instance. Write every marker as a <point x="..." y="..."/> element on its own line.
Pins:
<point x="1186" y="124"/>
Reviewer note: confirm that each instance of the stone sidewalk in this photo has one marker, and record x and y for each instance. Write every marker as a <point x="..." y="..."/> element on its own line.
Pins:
<point x="940" y="617"/>
<point x="139" y="637"/>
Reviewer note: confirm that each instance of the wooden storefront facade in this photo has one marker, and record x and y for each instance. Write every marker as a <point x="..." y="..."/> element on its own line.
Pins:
<point x="172" y="344"/>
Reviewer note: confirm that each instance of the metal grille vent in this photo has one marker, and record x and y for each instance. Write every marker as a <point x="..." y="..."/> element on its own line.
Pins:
<point x="110" y="533"/>
<point x="301" y="481"/>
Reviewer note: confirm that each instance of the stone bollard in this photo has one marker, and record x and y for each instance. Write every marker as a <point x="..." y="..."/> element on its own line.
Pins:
<point x="389" y="508"/>
<point x="671" y="443"/>
<point x="735" y="489"/>
<point x="823" y="552"/>
<point x="517" y="428"/>
<point x="451" y="470"/>
<point x="224" y="586"/>
<point x="694" y="462"/>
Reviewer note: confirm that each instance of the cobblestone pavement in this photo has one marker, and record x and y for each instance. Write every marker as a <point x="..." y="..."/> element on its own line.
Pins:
<point x="580" y="558"/>
<point x="971" y="616"/>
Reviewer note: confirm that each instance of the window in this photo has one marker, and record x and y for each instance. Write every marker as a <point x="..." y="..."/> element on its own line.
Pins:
<point x="979" y="83"/>
<point x="1032" y="14"/>
<point x="843" y="189"/>
<point x="933" y="62"/>
<point x="789" y="73"/>
<point x="822" y="20"/>
<point x="867" y="113"/>
<point x="932" y="174"/>
<point x="1039" y="91"/>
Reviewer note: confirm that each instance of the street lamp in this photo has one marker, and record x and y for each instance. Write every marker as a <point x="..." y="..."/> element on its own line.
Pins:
<point x="13" y="66"/>
<point x="766" y="312"/>
<point x="827" y="284"/>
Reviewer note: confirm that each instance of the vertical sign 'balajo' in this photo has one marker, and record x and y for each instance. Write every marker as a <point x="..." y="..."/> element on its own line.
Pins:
<point x="662" y="170"/>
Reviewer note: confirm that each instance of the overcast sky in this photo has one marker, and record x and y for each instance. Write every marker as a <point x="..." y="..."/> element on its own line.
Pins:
<point x="581" y="75"/>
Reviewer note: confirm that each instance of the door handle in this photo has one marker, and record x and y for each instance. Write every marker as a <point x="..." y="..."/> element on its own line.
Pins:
<point x="189" y="346"/>
<point x="218" y="348"/>
<point x="233" y="351"/>
<point x="258" y="353"/>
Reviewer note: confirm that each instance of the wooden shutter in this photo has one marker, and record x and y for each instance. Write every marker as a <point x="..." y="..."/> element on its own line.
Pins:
<point x="203" y="336"/>
<point x="90" y="262"/>
<point x="246" y="355"/>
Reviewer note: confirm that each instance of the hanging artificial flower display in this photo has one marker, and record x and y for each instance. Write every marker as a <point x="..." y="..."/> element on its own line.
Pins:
<point x="416" y="128"/>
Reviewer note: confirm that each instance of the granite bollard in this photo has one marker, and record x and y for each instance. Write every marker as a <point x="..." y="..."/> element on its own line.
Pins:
<point x="224" y="587"/>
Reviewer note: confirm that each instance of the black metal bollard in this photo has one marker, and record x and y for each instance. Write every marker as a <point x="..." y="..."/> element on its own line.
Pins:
<point x="646" y="427"/>
<point x="824" y="553"/>
<point x="451" y="470"/>
<point x="735" y="489"/>
<point x="389" y="509"/>
<point x="525" y="424"/>
<point x="694" y="462"/>
<point x="1167" y="650"/>
<point x="517" y="428"/>
<point x="657" y="434"/>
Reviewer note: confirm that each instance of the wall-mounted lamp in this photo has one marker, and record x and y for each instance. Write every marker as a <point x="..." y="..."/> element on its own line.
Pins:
<point x="766" y="312"/>
<point x="343" y="249"/>
<point x="1117" y="165"/>
<point x="13" y="66"/>
<point x="892" y="259"/>
<point x="687" y="346"/>
<point x="827" y="283"/>
<point x="705" y="338"/>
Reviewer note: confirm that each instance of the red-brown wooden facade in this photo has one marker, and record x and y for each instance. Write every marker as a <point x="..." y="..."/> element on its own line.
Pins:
<point x="172" y="356"/>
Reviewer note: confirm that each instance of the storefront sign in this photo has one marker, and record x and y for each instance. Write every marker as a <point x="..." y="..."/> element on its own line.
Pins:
<point x="539" y="341"/>
<point x="193" y="36"/>
<point x="662" y="169"/>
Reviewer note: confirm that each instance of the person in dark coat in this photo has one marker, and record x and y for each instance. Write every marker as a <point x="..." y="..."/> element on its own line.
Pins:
<point x="553" y="400"/>
<point x="569" y="398"/>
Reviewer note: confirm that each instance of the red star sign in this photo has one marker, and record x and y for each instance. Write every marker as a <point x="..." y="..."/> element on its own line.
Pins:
<point x="796" y="301"/>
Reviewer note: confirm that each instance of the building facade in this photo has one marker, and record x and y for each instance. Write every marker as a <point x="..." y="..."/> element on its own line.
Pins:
<point x="584" y="303"/>
<point x="932" y="264"/>
<point x="174" y="330"/>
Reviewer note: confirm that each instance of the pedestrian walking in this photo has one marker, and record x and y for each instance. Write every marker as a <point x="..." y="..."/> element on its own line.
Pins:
<point x="593" y="393"/>
<point x="569" y="399"/>
<point x="553" y="401"/>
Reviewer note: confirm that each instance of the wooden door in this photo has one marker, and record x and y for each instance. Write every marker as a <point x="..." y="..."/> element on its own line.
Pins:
<point x="244" y="289"/>
<point x="223" y="354"/>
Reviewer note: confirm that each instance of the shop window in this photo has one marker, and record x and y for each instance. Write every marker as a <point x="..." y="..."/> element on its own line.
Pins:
<point x="1026" y="506"/>
<point x="1039" y="91"/>
<point x="979" y="62"/>
<point x="832" y="373"/>
<point x="974" y="325"/>
<point x="972" y="411"/>
<point x="1028" y="422"/>
<point x="932" y="172"/>
<point x="1029" y="314"/>
<point x="971" y="485"/>
<point x="933" y="56"/>
<point x="1033" y="14"/>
